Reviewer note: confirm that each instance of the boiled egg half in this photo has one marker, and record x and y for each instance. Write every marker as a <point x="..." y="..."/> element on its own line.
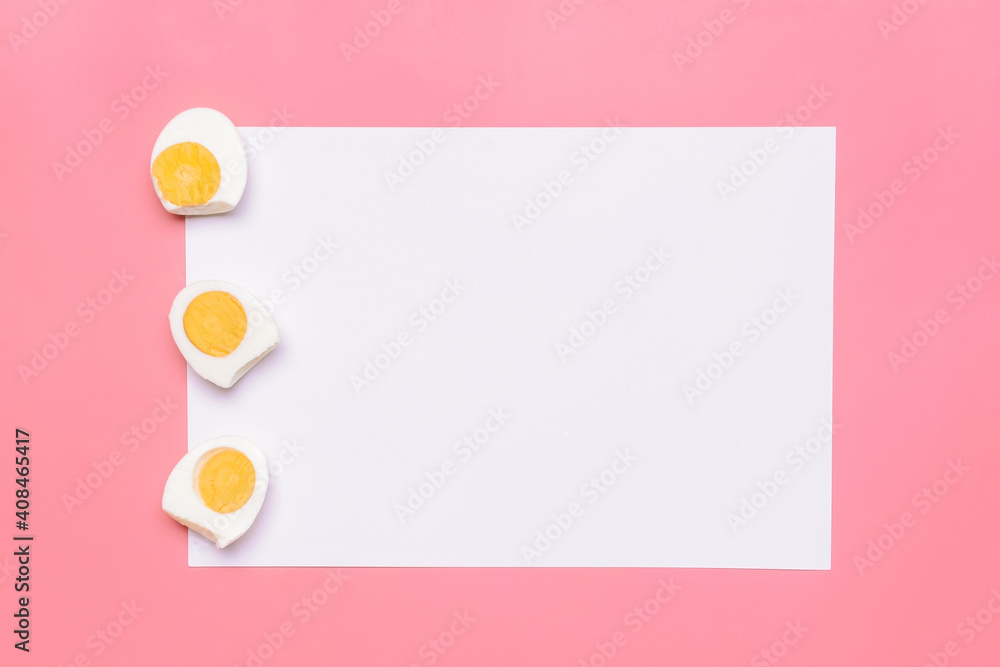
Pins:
<point x="221" y="329"/>
<point x="217" y="488"/>
<point x="199" y="164"/>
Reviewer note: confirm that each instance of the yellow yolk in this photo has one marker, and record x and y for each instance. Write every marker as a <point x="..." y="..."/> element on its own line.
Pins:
<point x="215" y="323"/>
<point x="187" y="174"/>
<point x="226" y="481"/>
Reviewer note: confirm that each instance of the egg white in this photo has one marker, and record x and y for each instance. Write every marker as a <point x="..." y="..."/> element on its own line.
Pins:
<point x="261" y="335"/>
<point x="213" y="130"/>
<point x="182" y="501"/>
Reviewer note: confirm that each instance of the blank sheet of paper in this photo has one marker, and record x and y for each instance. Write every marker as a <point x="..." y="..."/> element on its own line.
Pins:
<point x="601" y="347"/>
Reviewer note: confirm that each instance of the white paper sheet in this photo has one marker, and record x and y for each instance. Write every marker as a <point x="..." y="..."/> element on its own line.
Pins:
<point x="525" y="402"/>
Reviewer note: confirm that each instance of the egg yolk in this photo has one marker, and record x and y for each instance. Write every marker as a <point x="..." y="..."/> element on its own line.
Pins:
<point x="187" y="174"/>
<point x="226" y="481"/>
<point x="215" y="323"/>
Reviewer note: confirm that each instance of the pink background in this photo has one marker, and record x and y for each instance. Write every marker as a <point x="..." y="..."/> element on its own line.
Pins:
<point x="899" y="430"/>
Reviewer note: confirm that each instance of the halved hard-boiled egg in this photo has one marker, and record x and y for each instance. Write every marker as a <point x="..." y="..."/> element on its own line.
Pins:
<point x="199" y="164"/>
<point x="221" y="329"/>
<point x="217" y="488"/>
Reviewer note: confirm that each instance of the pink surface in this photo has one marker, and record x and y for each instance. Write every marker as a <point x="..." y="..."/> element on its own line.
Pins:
<point x="61" y="239"/>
